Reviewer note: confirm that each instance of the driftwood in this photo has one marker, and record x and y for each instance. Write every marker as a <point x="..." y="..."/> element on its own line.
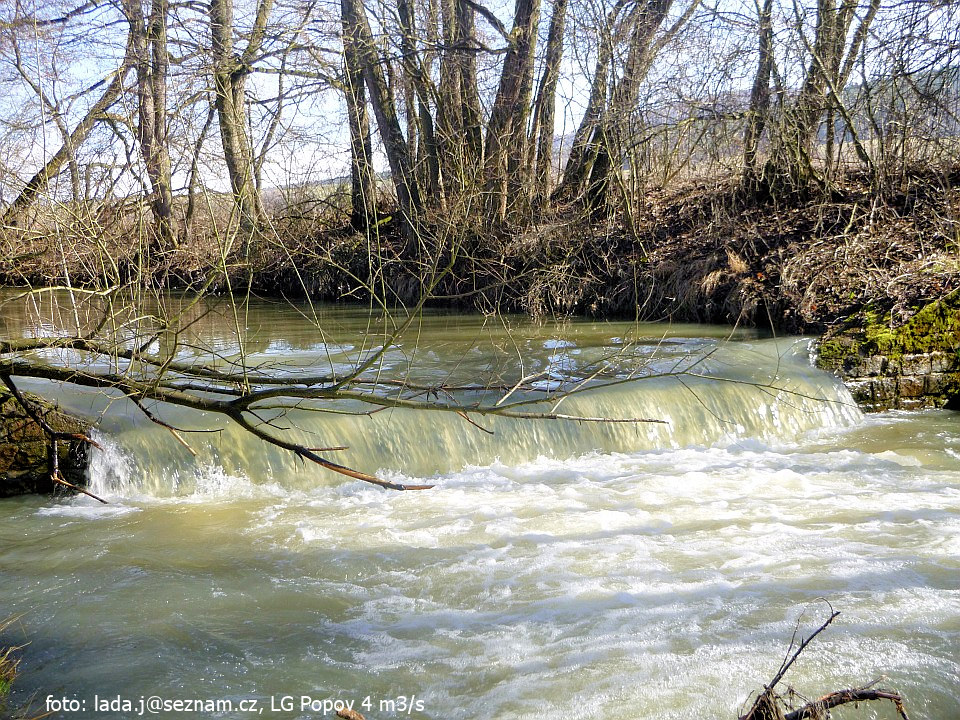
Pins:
<point x="349" y="714"/>
<point x="770" y="705"/>
<point x="819" y="707"/>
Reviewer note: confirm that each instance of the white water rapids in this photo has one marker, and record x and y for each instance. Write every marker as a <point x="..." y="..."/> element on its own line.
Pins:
<point x="557" y="570"/>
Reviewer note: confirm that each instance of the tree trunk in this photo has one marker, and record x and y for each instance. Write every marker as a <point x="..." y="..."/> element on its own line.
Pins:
<point x="506" y="131"/>
<point x="759" y="95"/>
<point x="195" y="170"/>
<point x="600" y="155"/>
<point x="578" y="164"/>
<point x="545" y="108"/>
<point x="230" y="73"/>
<point x="384" y="108"/>
<point x="469" y="89"/>
<point x="151" y="65"/>
<point x="418" y="95"/>
<point x="362" y="176"/>
<point x="459" y="132"/>
<point x="827" y="73"/>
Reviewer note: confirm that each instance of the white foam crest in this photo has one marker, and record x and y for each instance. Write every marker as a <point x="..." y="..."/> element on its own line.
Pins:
<point x="113" y="473"/>
<point x="85" y="508"/>
<point x="110" y="468"/>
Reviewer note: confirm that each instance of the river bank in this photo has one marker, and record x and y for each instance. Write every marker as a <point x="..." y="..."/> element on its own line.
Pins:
<point x="26" y="453"/>
<point x="701" y="252"/>
<point x="705" y="252"/>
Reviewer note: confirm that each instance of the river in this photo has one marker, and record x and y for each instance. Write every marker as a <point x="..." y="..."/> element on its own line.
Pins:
<point x="558" y="569"/>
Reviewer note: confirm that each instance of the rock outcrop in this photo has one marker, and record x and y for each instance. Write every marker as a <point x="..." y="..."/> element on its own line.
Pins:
<point x="912" y="366"/>
<point x="25" y="447"/>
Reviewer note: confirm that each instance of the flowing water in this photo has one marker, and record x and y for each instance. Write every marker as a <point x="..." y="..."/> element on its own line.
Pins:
<point x="558" y="569"/>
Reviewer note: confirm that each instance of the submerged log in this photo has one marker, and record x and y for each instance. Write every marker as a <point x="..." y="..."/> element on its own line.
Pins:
<point x="26" y="462"/>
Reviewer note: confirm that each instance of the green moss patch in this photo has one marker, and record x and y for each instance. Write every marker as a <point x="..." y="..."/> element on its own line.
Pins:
<point x="935" y="327"/>
<point x="912" y="365"/>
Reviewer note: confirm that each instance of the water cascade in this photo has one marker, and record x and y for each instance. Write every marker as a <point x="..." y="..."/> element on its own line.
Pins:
<point x="611" y="570"/>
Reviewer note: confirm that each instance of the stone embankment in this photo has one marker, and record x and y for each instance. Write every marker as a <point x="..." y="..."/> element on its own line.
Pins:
<point x="25" y="461"/>
<point x="913" y="366"/>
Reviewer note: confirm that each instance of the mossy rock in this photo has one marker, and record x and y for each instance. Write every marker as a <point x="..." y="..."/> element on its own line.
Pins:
<point x="25" y="448"/>
<point x="927" y="345"/>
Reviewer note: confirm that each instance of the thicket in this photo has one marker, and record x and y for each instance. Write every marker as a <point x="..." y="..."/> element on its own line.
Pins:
<point x="776" y="163"/>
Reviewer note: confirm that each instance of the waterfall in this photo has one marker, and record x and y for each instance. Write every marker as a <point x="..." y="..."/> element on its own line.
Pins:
<point x="763" y="392"/>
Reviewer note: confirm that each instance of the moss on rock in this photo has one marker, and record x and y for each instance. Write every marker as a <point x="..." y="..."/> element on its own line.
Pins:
<point x="913" y="365"/>
<point x="25" y="448"/>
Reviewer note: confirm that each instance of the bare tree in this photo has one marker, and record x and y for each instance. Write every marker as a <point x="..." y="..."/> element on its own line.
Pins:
<point x="545" y="106"/>
<point x="507" y="129"/>
<point x="110" y="89"/>
<point x="760" y="93"/>
<point x="231" y="69"/>
<point x="148" y="33"/>
<point x="357" y="27"/>
<point x="598" y="141"/>
<point x="831" y="59"/>
<point x="362" y="177"/>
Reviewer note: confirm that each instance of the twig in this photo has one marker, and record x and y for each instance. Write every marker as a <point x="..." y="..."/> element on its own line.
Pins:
<point x="162" y="423"/>
<point x="476" y="425"/>
<point x="815" y="709"/>
<point x="60" y="481"/>
<point x="786" y="665"/>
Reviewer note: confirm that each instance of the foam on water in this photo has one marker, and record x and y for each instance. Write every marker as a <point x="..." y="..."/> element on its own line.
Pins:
<point x="644" y="529"/>
<point x="651" y="584"/>
<point x="560" y="570"/>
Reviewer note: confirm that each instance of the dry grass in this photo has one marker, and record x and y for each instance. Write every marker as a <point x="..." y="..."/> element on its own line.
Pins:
<point x="9" y="664"/>
<point x="701" y="251"/>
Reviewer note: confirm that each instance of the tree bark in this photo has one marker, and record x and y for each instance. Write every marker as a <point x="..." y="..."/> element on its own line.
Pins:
<point x="419" y="96"/>
<point x="506" y="131"/>
<point x="759" y="95"/>
<point x="151" y="65"/>
<point x="230" y="72"/>
<point x="384" y="107"/>
<point x="362" y="176"/>
<point x="544" y="112"/>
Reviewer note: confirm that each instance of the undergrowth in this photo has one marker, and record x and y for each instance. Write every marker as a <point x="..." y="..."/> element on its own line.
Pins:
<point x="703" y="251"/>
<point x="9" y="665"/>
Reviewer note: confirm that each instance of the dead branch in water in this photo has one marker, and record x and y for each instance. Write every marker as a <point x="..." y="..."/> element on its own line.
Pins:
<point x="348" y="714"/>
<point x="820" y="707"/>
<point x="769" y="705"/>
